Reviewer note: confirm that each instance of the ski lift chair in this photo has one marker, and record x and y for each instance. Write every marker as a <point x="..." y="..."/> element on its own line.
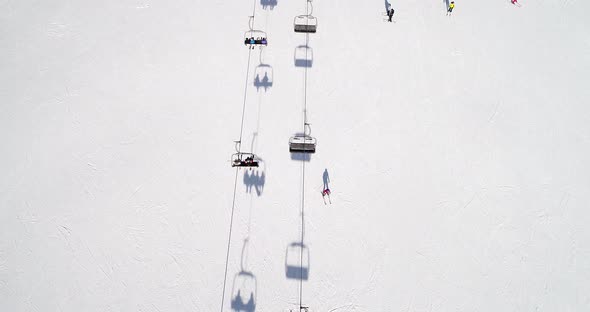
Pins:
<point x="301" y="143"/>
<point x="303" y="56"/>
<point x="244" y="292"/>
<point x="305" y="24"/>
<point x="257" y="35"/>
<point x="296" y="265"/>
<point x="244" y="160"/>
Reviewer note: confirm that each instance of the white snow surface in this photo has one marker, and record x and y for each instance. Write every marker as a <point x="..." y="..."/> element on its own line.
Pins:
<point x="457" y="150"/>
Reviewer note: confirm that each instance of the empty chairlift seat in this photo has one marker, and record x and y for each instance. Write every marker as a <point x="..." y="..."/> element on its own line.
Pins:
<point x="305" y="24"/>
<point x="302" y="144"/>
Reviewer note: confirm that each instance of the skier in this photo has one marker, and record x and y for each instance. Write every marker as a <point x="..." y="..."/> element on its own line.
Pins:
<point x="390" y="14"/>
<point x="451" y="7"/>
<point x="515" y="2"/>
<point x="326" y="192"/>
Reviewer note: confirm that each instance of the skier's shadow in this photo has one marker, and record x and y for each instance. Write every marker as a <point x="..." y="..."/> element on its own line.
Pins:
<point x="387" y="6"/>
<point x="446" y="2"/>
<point x="254" y="178"/>
<point x="268" y="4"/>
<point x="326" y="178"/>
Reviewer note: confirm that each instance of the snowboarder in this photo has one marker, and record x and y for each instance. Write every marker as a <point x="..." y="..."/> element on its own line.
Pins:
<point x="326" y="192"/>
<point x="390" y="14"/>
<point x="451" y="7"/>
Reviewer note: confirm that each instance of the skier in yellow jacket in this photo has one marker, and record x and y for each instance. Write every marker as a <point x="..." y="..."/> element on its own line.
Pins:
<point x="451" y="7"/>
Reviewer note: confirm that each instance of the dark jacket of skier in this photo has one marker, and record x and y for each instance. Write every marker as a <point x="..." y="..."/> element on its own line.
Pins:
<point x="390" y="14"/>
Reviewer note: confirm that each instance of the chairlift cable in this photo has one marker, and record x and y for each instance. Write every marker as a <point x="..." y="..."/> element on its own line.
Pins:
<point x="305" y="124"/>
<point x="231" y="221"/>
<point x="245" y="98"/>
<point x="233" y="206"/>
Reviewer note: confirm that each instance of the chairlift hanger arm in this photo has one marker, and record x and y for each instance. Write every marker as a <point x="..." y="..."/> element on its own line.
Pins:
<point x="251" y="22"/>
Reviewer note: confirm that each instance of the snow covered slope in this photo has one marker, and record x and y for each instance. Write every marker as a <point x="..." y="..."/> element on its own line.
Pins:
<point x="456" y="148"/>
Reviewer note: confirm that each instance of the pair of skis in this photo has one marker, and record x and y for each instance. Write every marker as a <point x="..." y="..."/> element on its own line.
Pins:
<point x="324" y="198"/>
<point x="326" y="193"/>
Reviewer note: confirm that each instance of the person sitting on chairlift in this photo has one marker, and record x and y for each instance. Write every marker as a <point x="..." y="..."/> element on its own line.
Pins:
<point x="263" y="41"/>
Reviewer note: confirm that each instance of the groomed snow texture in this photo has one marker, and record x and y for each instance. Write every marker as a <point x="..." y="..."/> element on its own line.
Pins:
<point x="457" y="150"/>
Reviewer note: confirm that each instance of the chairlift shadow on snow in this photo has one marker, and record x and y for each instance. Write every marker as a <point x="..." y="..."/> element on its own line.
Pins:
<point x="303" y="56"/>
<point x="270" y="4"/>
<point x="301" y="156"/>
<point x="297" y="261"/>
<point x="244" y="292"/>
<point x="244" y="288"/>
<point x="254" y="178"/>
<point x="263" y="76"/>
